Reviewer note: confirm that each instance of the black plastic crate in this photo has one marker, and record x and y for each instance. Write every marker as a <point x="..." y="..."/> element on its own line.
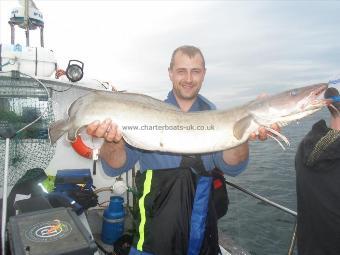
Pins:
<point x="49" y="232"/>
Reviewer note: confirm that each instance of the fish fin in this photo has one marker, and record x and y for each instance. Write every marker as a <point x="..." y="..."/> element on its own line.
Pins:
<point x="241" y="126"/>
<point x="285" y="139"/>
<point x="72" y="134"/>
<point x="57" y="129"/>
<point x="277" y="140"/>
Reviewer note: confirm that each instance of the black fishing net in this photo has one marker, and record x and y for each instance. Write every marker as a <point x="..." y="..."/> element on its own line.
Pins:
<point x="26" y="108"/>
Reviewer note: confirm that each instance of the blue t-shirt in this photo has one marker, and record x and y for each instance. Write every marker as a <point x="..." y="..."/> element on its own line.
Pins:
<point x="164" y="160"/>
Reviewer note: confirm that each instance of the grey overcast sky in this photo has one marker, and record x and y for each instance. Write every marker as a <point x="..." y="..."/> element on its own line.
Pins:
<point x="250" y="46"/>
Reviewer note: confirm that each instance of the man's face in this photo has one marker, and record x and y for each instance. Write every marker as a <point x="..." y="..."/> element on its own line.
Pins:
<point x="187" y="75"/>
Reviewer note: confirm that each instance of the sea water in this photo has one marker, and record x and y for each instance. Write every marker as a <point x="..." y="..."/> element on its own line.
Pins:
<point x="258" y="228"/>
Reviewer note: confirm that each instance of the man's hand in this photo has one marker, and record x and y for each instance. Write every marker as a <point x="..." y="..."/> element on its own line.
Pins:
<point x="113" y="149"/>
<point x="262" y="133"/>
<point x="106" y="130"/>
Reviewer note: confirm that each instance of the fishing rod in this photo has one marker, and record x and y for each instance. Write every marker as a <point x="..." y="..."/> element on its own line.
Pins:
<point x="263" y="199"/>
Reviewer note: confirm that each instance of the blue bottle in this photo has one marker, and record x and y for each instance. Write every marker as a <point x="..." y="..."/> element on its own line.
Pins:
<point x="113" y="220"/>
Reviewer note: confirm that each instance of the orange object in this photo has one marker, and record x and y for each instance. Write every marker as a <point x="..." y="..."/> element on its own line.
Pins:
<point x="81" y="148"/>
<point x="54" y="228"/>
<point x="59" y="72"/>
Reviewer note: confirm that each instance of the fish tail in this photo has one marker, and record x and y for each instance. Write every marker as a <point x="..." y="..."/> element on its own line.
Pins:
<point x="57" y="129"/>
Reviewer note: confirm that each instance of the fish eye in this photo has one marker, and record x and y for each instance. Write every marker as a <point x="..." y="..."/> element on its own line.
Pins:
<point x="293" y="92"/>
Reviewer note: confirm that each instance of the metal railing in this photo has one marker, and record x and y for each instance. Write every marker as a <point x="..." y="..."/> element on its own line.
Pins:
<point x="273" y="204"/>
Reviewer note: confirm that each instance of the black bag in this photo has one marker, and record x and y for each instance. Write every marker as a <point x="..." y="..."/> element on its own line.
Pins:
<point x="219" y="190"/>
<point x="26" y="185"/>
<point x="123" y="244"/>
<point x="219" y="193"/>
<point x="86" y="198"/>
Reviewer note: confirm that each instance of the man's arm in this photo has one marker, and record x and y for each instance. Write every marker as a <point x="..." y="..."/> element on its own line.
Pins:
<point x="114" y="153"/>
<point x="234" y="161"/>
<point x="236" y="155"/>
<point x="240" y="153"/>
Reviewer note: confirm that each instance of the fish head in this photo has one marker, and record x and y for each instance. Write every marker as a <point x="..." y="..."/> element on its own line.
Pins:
<point x="290" y="105"/>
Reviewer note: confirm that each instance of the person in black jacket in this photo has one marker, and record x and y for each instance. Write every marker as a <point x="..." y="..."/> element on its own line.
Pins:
<point x="317" y="165"/>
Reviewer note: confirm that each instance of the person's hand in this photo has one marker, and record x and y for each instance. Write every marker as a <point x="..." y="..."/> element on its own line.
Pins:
<point x="262" y="133"/>
<point x="106" y="129"/>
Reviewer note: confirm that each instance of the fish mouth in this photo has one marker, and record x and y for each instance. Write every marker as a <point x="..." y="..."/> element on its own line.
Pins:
<point x="320" y="90"/>
<point x="315" y="96"/>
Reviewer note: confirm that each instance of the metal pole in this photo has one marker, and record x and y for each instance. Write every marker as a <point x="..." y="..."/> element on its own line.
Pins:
<point x="4" y="200"/>
<point x="133" y="185"/>
<point x="293" y="240"/>
<point x="127" y="184"/>
<point x="12" y="32"/>
<point x="263" y="199"/>
<point x="42" y="37"/>
<point x="26" y="24"/>
<point x="27" y="32"/>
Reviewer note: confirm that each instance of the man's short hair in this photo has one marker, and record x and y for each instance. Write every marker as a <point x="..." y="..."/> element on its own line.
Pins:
<point x="188" y="50"/>
<point x="331" y="92"/>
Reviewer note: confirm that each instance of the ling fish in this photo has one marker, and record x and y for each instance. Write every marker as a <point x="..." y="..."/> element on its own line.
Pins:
<point x="151" y="124"/>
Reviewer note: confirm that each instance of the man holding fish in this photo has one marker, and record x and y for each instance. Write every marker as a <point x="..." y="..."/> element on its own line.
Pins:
<point x="175" y="211"/>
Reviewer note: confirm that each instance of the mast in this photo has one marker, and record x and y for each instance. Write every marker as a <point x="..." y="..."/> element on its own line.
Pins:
<point x="26" y="24"/>
<point x="28" y="17"/>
